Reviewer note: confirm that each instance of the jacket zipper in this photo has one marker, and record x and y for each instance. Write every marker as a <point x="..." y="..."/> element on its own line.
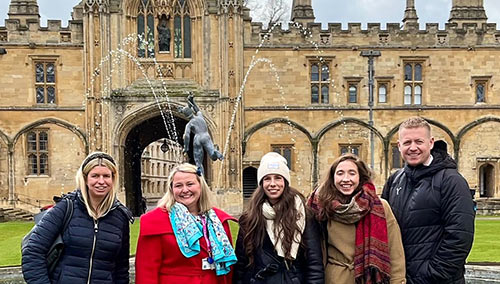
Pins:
<point x="96" y="228"/>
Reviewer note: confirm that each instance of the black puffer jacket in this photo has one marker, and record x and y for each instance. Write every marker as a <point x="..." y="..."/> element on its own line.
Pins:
<point x="435" y="211"/>
<point x="105" y="262"/>
<point x="306" y="269"/>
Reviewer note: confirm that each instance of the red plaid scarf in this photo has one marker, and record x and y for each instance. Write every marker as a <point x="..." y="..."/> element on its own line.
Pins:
<point x="372" y="262"/>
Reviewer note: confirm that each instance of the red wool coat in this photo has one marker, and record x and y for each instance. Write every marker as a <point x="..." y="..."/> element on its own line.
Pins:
<point x="159" y="260"/>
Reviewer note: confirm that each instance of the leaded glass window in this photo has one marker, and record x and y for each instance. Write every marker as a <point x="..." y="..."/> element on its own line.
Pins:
<point x="145" y="29"/>
<point x="45" y="82"/>
<point x="320" y="80"/>
<point x="37" y="145"/>
<point x="182" y="30"/>
<point x="382" y="93"/>
<point x="314" y="94"/>
<point x="351" y="148"/>
<point x="285" y="151"/>
<point x="413" y="83"/>
<point x="164" y="33"/>
<point x="353" y="94"/>
<point x="480" y="93"/>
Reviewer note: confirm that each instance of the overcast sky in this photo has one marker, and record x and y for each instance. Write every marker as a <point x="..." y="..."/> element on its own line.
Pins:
<point x="326" y="11"/>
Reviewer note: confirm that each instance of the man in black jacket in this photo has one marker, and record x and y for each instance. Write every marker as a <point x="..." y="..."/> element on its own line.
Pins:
<point x="433" y="206"/>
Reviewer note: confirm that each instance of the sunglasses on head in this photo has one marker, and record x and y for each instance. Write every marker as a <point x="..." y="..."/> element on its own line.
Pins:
<point x="98" y="156"/>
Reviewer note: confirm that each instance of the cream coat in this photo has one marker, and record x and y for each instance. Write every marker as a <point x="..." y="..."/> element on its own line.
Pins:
<point x="341" y="243"/>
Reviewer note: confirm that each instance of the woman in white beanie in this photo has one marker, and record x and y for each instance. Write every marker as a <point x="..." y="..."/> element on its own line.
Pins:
<point x="278" y="241"/>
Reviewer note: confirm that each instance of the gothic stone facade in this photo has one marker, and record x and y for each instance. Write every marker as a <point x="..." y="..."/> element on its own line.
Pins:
<point x="67" y="91"/>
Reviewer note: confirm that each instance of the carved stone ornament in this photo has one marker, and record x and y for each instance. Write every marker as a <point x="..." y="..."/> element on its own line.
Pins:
<point x="442" y="39"/>
<point x="229" y="6"/>
<point x="209" y="108"/>
<point x="162" y="7"/>
<point x="94" y="5"/>
<point x="167" y="70"/>
<point x="383" y="38"/>
<point x="325" y="39"/>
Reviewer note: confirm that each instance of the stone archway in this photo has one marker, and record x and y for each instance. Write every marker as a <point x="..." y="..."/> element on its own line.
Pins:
<point x="487" y="181"/>
<point x="137" y="139"/>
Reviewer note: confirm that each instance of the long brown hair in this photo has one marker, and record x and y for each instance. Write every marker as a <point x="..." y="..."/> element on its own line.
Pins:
<point x="253" y="223"/>
<point x="329" y="192"/>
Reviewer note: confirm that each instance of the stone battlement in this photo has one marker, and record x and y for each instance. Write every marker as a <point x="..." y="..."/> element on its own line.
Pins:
<point x="467" y="35"/>
<point x="29" y="31"/>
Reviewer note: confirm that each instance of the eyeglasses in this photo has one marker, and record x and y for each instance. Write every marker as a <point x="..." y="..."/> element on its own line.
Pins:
<point x="98" y="155"/>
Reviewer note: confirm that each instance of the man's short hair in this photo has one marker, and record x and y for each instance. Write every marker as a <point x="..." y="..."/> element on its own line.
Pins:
<point x="415" y="122"/>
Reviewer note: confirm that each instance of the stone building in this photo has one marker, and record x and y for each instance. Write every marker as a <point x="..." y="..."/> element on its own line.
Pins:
<point x="114" y="78"/>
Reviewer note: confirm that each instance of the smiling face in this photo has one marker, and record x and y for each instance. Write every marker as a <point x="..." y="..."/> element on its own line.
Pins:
<point x="273" y="186"/>
<point x="187" y="190"/>
<point x="415" y="145"/>
<point x="99" y="183"/>
<point x="346" y="177"/>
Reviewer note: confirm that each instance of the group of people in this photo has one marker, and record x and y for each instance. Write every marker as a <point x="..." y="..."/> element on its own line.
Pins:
<point x="419" y="231"/>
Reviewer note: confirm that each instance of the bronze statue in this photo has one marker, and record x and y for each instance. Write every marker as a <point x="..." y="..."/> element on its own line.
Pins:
<point x="202" y="140"/>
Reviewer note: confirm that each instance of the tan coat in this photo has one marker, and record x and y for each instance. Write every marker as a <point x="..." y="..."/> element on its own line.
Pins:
<point x="341" y="244"/>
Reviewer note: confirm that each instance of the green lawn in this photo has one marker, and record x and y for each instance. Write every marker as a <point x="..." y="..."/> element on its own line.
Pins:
<point x="486" y="246"/>
<point x="11" y="234"/>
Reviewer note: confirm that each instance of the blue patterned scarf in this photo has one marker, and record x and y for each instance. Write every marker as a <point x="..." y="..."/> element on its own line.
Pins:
<point x="188" y="230"/>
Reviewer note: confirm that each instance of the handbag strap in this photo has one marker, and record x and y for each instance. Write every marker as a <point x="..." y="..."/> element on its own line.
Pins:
<point x="68" y="214"/>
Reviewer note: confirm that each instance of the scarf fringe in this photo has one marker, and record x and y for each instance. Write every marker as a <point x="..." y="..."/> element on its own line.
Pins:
<point x="373" y="275"/>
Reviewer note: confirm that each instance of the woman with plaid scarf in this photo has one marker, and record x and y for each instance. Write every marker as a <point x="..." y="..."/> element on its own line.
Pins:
<point x="362" y="238"/>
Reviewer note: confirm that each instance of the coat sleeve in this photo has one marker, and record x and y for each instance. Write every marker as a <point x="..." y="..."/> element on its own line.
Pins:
<point x="314" y="273"/>
<point x="387" y="187"/>
<point x="396" y="250"/>
<point x="228" y="278"/>
<point x="457" y="210"/>
<point x="148" y="258"/>
<point x="241" y="264"/>
<point x="34" y="264"/>
<point x="122" y="265"/>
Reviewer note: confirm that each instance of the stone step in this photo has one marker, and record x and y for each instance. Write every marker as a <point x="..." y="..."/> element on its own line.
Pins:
<point x="16" y="214"/>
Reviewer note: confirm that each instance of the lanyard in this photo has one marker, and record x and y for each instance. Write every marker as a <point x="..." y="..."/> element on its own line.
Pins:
<point x="205" y="234"/>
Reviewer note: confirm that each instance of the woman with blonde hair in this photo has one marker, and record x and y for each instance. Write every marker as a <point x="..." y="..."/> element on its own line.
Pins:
<point x="362" y="237"/>
<point x="185" y="239"/>
<point x="96" y="239"/>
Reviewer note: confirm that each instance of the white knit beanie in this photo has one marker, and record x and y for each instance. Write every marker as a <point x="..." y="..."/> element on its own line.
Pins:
<point x="273" y="163"/>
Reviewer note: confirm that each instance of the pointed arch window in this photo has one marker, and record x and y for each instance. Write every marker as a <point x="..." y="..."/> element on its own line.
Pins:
<point x="145" y="29"/>
<point x="164" y="33"/>
<point x="182" y="30"/>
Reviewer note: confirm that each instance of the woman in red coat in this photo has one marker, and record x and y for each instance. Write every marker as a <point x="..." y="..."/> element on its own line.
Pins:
<point x="185" y="240"/>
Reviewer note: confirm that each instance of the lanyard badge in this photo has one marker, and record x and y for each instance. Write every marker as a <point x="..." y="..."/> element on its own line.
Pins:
<point x="208" y="262"/>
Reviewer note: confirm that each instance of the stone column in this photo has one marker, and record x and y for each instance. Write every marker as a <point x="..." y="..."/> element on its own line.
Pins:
<point x="96" y="47"/>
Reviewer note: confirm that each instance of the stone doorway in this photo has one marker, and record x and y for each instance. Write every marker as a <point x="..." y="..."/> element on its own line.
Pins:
<point x="249" y="183"/>
<point x="487" y="181"/>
